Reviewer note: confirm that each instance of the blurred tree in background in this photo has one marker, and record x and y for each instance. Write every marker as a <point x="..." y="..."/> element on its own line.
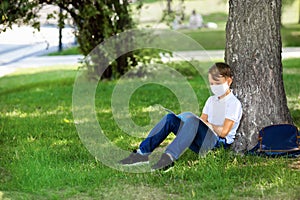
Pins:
<point x="94" y="20"/>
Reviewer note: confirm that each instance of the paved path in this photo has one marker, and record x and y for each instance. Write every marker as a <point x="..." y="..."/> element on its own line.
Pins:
<point x="36" y="60"/>
<point x="39" y="61"/>
<point x="21" y="47"/>
<point x="292" y="52"/>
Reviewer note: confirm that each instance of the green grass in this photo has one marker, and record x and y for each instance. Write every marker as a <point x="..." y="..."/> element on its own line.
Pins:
<point x="209" y="40"/>
<point x="68" y="51"/>
<point x="290" y="34"/>
<point x="212" y="11"/>
<point x="42" y="156"/>
<point x="291" y="77"/>
<point x="215" y="39"/>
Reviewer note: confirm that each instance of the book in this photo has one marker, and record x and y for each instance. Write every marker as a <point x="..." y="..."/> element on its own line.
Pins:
<point x="185" y="115"/>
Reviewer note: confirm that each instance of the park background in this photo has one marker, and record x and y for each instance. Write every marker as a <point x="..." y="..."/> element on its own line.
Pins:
<point x="42" y="156"/>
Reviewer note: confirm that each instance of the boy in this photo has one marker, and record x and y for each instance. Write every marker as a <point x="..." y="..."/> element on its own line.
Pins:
<point x="222" y="114"/>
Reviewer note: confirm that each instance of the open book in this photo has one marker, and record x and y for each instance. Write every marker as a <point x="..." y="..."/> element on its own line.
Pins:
<point x="185" y="115"/>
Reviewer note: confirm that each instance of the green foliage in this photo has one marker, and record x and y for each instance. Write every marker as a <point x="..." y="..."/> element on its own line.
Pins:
<point x="42" y="156"/>
<point x="168" y="18"/>
<point x="21" y="11"/>
<point x="95" y="21"/>
<point x="170" y="14"/>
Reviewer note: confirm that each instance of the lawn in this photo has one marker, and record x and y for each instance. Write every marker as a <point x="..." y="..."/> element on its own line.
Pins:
<point x="215" y="39"/>
<point x="42" y="156"/>
<point x="212" y="11"/>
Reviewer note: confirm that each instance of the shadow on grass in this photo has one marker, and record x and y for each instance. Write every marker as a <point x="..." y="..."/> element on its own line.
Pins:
<point x="26" y="82"/>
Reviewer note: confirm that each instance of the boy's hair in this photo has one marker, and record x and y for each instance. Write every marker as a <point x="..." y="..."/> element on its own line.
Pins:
<point x="219" y="70"/>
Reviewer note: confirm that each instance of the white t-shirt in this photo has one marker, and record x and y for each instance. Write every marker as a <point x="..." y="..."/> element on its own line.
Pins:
<point x="218" y="110"/>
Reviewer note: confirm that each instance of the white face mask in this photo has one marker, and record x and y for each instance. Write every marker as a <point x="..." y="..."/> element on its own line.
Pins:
<point x="219" y="90"/>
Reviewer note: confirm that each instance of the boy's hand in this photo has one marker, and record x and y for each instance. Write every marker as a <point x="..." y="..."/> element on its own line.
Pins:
<point x="218" y="129"/>
<point x="210" y="126"/>
<point x="223" y="131"/>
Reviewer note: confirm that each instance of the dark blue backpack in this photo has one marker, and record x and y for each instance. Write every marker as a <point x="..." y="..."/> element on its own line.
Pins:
<point x="278" y="140"/>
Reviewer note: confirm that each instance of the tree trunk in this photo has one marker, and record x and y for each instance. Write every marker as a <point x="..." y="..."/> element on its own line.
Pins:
<point x="299" y="13"/>
<point x="169" y="9"/>
<point x="60" y="27"/>
<point x="253" y="50"/>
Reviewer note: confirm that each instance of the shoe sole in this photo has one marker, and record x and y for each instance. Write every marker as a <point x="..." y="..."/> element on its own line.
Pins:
<point x="137" y="164"/>
<point x="169" y="169"/>
<point x="162" y="170"/>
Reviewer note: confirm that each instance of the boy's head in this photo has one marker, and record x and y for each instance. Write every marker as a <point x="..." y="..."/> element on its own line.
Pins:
<point x="220" y="74"/>
<point x="220" y="69"/>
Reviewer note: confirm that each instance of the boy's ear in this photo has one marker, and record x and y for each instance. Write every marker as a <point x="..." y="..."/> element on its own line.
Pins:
<point x="229" y="81"/>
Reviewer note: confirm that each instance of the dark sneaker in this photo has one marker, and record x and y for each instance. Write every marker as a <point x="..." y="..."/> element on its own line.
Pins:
<point x="165" y="163"/>
<point x="135" y="159"/>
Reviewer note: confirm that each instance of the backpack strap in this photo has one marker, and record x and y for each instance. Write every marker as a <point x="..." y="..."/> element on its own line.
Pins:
<point x="255" y="148"/>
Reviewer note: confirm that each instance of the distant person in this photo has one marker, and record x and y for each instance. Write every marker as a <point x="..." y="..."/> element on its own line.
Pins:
<point x="196" y="20"/>
<point x="176" y="23"/>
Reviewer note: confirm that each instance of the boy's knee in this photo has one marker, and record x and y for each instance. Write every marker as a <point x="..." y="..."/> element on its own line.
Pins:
<point x="171" y="116"/>
<point x="191" y="119"/>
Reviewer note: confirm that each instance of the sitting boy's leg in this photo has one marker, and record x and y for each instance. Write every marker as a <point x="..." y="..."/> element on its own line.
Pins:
<point x="204" y="141"/>
<point x="169" y="123"/>
<point x="184" y="138"/>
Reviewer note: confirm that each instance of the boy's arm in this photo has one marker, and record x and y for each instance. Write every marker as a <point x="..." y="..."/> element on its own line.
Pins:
<point x="222" y="131"/>
<point x="204" y="118"/>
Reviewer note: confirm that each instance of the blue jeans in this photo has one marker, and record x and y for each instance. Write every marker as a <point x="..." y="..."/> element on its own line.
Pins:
<point x="191" y="133"/>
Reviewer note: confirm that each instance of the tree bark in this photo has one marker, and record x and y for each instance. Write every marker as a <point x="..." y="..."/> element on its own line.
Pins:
<point x="299" y="13"/>
<point x="253" y="50"/>
<point x="169" y="9"/>
<point x="60" y="28"/>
